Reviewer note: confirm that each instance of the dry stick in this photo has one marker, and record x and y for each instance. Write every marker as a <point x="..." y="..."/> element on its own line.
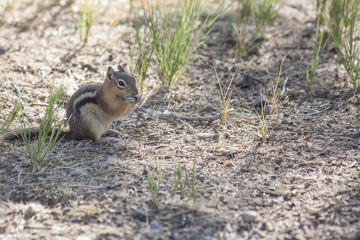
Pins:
<point x="173" y="115"/>
<point x="318" y="112"/>
<point x="351" y="204"/>
<point x="253" y="78"/>
<point x="37" y="228"/>
<point x="284" y="87"/>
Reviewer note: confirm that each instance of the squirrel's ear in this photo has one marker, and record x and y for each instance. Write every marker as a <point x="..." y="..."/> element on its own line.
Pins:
<point x="121" y="68"/>
<point x="109" y="73"/>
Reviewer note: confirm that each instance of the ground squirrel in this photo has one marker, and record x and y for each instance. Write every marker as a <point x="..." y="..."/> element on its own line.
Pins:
<point x="92" y="108"/>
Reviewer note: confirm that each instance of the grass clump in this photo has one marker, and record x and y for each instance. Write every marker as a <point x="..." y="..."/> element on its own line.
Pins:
<point x="12" y="115"/>
<point x="86" y="18"/>
<point x="224" y="100"/>
<point x="269" y="104"/>
<point x="144" y="55"/>
<point x="343" y="22"/>
<point x="245" y="9"/>
<point x="241" y="32"/>
<point x="50" y="125"/>
<point x="185" y="184"/>
<point x="320" y="45"/>
<point x="178" y="181"/>
<point x="176" y="35"/>
<point x="194" y="189"/>
<point x="263" y="12"/>
<point x="153" y="186"/>
<point x="258" y="13"/>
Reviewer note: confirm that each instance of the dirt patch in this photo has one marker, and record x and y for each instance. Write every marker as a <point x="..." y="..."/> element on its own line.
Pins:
<point x="303" y="183"/>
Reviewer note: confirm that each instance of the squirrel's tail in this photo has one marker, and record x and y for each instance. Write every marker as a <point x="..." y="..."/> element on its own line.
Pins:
<point x="32" y="133"/>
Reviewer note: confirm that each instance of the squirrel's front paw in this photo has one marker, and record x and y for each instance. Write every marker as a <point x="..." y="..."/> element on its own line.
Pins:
<point x="133" y="99"/>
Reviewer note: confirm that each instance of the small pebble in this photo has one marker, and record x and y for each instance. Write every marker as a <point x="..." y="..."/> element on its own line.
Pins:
<point x="110" y="160"/>
<point x="92" y="196"/>
<point x="249" y="216"/>
<point x="233" y="207"/>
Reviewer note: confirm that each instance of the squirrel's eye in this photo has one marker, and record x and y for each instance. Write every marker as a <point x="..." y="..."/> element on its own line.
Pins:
<point x="121" y="83"/>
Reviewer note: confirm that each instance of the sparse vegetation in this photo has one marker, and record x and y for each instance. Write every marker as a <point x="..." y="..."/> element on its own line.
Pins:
<point x="86" y="18"/>
<point x="50" y="124"/>
<point x="153" y="186"/>
<point x="245" y="10"/>
<point x="241" y="36"/>
<point x="2" y="13"/>
<point x="184" y="184"/>
<point x="178" y="181"/>
<point x="320" y="44"/>
<point x="144" y="55"/>
<point x="263" y="12"/>
<point x="264" y="126"/>
<point x="224" y="101"/>
<point x="269" y="105"/>
<point x="194" y="188"/>
<point x="292" y="170"/>
<point x="11" y="116"/>
<point x="176" y="35"/>
<point x="343" y="22"/>
<point x="258" y="13"/>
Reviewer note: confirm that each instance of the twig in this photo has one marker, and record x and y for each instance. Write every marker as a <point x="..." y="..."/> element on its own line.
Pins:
<point x="173" y="115"/>
<point x="352" y="204"/>
<point x="39" y="104"/>
<point x="38" y="228"/>
<point x="318" y="112"/>
<point x="284" y="86"/>
<point x="253" y="78"/>
<point x="268" y="191"/>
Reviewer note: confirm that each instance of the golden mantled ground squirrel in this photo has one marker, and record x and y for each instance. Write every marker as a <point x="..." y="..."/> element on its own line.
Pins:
<point x="92" y="108"/>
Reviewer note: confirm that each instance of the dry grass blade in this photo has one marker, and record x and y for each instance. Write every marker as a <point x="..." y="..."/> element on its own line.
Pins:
<point x="12" y="115"/>
<point x="224" y="101"/>
<point x="269" y="105"/>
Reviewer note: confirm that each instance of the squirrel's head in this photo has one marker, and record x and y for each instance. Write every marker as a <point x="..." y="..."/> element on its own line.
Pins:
<point x="122" y="85"/>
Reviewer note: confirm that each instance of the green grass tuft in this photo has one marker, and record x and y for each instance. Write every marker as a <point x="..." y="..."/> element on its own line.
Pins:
<point x="263" y="12"/>
<point x="153" y="186"/>
<point x="176" y="35"/>
<point x="86" y="18"/>
<point x="258" y="13"/>
<point x="343" y="22"/>
<point x="144" y="55"/>
<point x="12" y="115"/>
<point x="320" y="45"/>
<point x="50" y="124"/>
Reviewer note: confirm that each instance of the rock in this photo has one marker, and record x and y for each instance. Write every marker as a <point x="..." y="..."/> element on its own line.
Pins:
<point x="233" y="207"/>
<point x="89" y="67"/>
<point x="262" y="103"/>
<point x="249" y="216"/>
<point x="247" y="82"/>
<point x="357" y="135"/>
<point x="110" y="160"/>
<point x="18" y="168"/>
<point x="92" y="196"/>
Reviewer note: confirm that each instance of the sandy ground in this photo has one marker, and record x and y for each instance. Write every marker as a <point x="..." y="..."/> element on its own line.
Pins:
<point x="303" y="183"/>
